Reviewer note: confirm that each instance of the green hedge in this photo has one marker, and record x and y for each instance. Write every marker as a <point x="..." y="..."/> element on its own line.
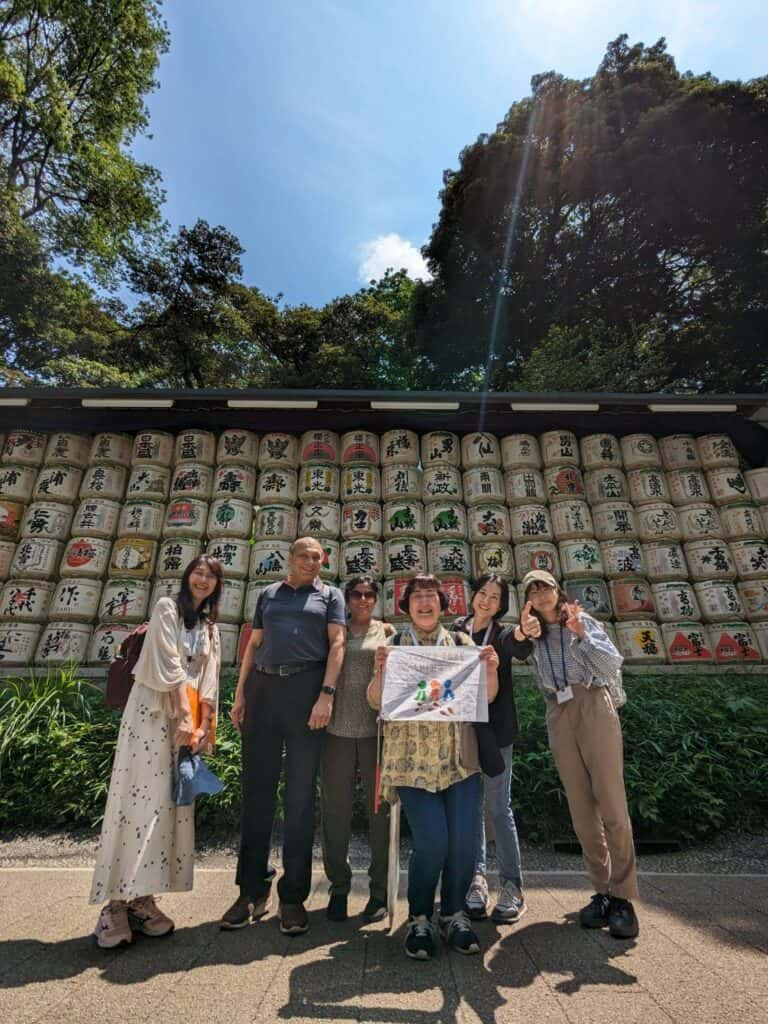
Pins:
<point x="696" y="757"/>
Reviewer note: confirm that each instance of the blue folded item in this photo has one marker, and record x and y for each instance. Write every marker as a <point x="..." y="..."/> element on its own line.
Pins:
<point x="193" y="778"/>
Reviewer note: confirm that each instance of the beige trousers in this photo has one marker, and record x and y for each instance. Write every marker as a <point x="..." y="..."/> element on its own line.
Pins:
<point x="586" y="743"/>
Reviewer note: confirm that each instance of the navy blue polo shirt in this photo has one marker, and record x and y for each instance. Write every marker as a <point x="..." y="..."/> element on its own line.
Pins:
<point x="295" y="621"/>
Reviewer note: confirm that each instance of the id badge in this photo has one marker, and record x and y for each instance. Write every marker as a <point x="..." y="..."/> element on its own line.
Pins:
<point x="563" y="696"/>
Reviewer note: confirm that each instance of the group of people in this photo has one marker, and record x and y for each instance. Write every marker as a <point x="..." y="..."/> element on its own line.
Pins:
<point x="307" y="701"/>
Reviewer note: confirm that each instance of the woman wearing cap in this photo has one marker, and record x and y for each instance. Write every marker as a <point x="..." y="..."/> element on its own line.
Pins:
<point x="574" y="660"/>
<point x="434" y="769"/>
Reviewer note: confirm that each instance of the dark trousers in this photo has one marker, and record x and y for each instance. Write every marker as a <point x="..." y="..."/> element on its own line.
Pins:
<point x="277" y="710"/>
<point x="342" y="756"/>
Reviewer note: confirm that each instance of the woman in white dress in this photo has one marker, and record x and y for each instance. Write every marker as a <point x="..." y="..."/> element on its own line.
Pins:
<point x="147" y="843"/>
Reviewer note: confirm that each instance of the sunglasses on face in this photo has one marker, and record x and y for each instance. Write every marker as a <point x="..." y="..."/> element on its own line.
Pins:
<point x="363" y="595"/>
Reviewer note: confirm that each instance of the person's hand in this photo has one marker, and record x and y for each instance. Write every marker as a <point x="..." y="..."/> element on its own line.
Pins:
<point x="489" y="656"/>
<point x="237" y="711"/>
<point x="185" y="730"/>
<point x="380" y="658"/>
<point x="573" y="620"/>
<point x="530" y="626"/>
<point x="321" y="712"/>
<point x="199" y="740"/>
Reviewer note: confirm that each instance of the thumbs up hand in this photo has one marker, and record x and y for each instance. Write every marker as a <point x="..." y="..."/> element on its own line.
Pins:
<point x="529" y="623"/>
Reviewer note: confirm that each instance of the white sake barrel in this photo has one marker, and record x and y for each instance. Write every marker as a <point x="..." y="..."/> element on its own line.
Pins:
<point x="141" y="519"/>
<point x="763" y="512"/>
<point x="277" y="485"/>
<point x="686" y="643"/>
<point x="59" y="483"/>
<point x="252" y="591"/>
<point x="70" y="449"/>
<point x="754" y="599"/>
<point x="230" y="516"/>
<point x="185" y="517"/>
<point x="760" y="633"/>
<point x="124" y="600"/>
<point x="600" y="451"/>
<point x="323" y="519"/>
<point x="37" y="557"/>
<point x="440" y="446"/>
<point x="647" y="486"/>
<point x="512" y="614"/>
<point x="104" y="480"/>
<point x="571" y="519"/>
<point x="639" y="451"/>
<point x="269" y="560"/>
<point x="7" y="549"/>
<point x="734" y="643"/>
<point x="520" y="450"/>
<point x="63" y="642"/>
<point x="75" y="599"/>
<point x="360" y="446"/>
<point x="25" y="448"/>
<point x="133" y="556"/>
<point x="228" y="634"/>
<point x="533" y="556"/>
<point x="679" y="451"/>
<point x="664" y="560"/>
<point x="17" y="482"/>
<point x="727" y="485"/>
<point x="717" y="450"/>
<point x="26" y="600"/>
<point x="399" y="447"/>
<point x="719" y="600"/>
<point x="482" y="485"/>
<point x="658" y="522"/>
<point x="401" y="482"/>
<point x="319" y="446"/>
<point x="192" y="480"/>
<point x="688" y="487"/>
<point x="488" y="523"/>
<point x="580" y="556"/>
<point x="105" y="641"/>
<point x="234" y="480"/>
<point x="480" y="449"/>
<point x="444" y="520"/>
<point x="392" y="593"/>
<point x="530" y="523"/>
<point x="234" y="553"/>
<point x="163" y="588"/>
<point x="18" y="641"/>
<point x="699" y="522"/>
<point x="614" y="520"/>
<point x="281" y="450"/>
<point x="278" y="522"/>
<point x="151" y="483"/>
<point x="318" y="482"/>
<point x="240" y="446"/>
<point x="441" y="483"/>
<point x="601" y="485"/>
<point x="174" y="556"/>
<point x="360" y="482"/>
<point x="675" y="600"/>
<point x="86" y="557"/>
<point x="404" y="556"/>
<point x="153" y="448"/>
<point x="709" y="560"/>
<point x="622" y="558"/>
<point x="632" y="599"/>
<point x="757" y="481"/>
<point x="559" y="448"/>
<point x="750" y="558"/>
<point x="592" y="594"/>
<point x="196" y="446"/>
<point x="492" y="558"/>
<point x="361" y="558"/>
<point x="640" y="642"/>
<point x="114" y="448"/>
<point x="12" y="516"/>
<point x="232" y="599"/>
<point x="522" y="486"/>
<point x="449" y="558"/>
<point x="406" y="519"/>
<point x="741" y="522"/>
<point x="95" y="517"/>
<point x="329" y="567"/>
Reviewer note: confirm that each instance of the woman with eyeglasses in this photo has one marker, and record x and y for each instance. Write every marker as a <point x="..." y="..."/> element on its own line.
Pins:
<point x="349" y="747"/>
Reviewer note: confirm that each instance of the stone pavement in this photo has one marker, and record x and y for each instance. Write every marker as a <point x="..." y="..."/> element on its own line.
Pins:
<point x="701" y="958"/>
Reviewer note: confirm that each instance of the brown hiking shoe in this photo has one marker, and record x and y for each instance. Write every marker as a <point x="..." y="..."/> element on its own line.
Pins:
<point x="146" y="917"/>
<point x="112" y="928"/>
<point x="244" y="911"/>
<point x="293" y="919"/>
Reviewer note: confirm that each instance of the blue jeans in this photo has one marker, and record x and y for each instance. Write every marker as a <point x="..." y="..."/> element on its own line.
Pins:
<point x="443" y="826"/>
<point x="499" y="808"/>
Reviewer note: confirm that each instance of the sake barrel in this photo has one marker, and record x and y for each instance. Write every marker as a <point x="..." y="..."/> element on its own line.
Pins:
<point x="559" y="448"/>
<point x="640" y="642"/>
<point x="234" y="553"/>
<point x="323" y="519"/>
<point x="530" y="523"/>
<point x="480" y="450"/>
<point x="153" y="448"/>
<point x="277" y="485"/>
<point x="674" y="600"/>
<point x="709" y="559"/>
<point x="280" y="450"/>
<point x="592" y="594"/>
<point x="7" y="549"/>
<point x="459" y="596"/>
<point x="757" y="481"/>
<point x="12" y="516"/>
<point x="440" y="446"/>
<point x="614" y="520"/>
<point x="124" y="600"/>
<point x="750" y="558"/>
<point x="185" y="517"/>
<point x="232" y="598"/>
<point x="580" y="556"/>
<point x="26" y="600"/>
<point x="700" y="522"/>
<point x="444" y="520"/>
<point x="163" y="588"/>
<point x="404" y="556"/>
<point x="600" y="451"/>
<point x="763" y="512"/>
<point x="533" y="556"/>
<point x="679" y="451"/>
<point x="686" y="643"/>
<point x="688" y="487"/>
<point x="658" y="522"/>
<point x="360" y="482"/>
<point x="75" y="599"/>
<point x="406" y="519"/>
<point x="639" y="451"/>
<point x="196" y="446"/>
<point x="496" y="558"/>
<point x="25" y="448"/>
<point x="441" y="483"/>
<point x="622" y="558"/>
<point x="329" y="567"/>
<point x="361" y="558"/>
<point x="360" y="446"/>
<point x="524" y="485"/>
<point x="319" y="446"/>
<point x="174" y="556"/>
<point x="233" y="480"/>
<point x="70" y="449"/>
<point x="632" y="599"/>
<point x="319" y="482"/>
<point x="58" y="483"/>
<point x="571" y="519"/>
<point x="601" y="485"/>
<point x="401" y="482"/>
<point x="488" y="523"/>
<point x="449" y="558"/>
<point x="733" y="643"/>
<point x="741" y="522"/>
<point x="17" y="482"/>
<point x="562" y="483"/>
<point x="520" y="450"/>
<point x="63" y="642"/>
<point x="105" y="641"/>
<point x="278" y="522"/>
<point x="192" y="480"/>
<point x="717" y="450"/>
<point x="647" y="486"/>
<point x="37" y="557"/>
<point x="239" y="446"/>
<point x="133" y="556"/>
<point x="392" y="593"/>
<point x="233" y="517"/>
<point x="141" y="519"/>
<point x="664" y="560"/>
<point x="399" y="447"/>
<point x="18" y="641"/>
<point x="96" y="517"/>
<point x="104" y="480"/>
<point x="727" y="485"/>
<point x="719" y="600"/>
<point x="269" y="559"/>
<point x="754" y="599"/>
<point x="151" y="483"/>
<point x="482" y="485"/>
<point x="252" y="591"/>
<point x="760" y="633"/>
<point x="228" y="634"/>
<point x="115" y="448"/>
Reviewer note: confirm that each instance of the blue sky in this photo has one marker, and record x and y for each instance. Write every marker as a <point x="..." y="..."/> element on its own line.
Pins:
<point x="318" y="132"/>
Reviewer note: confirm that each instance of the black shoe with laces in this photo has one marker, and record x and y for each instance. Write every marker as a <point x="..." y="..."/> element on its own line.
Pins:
<point x="420" y="938"/>
<point x="458" y="934"/>
<point x="374" y="910"/>
<point x="595" y="914"/>
<point x="622" y="920"/>
<point x="337" y="907"/>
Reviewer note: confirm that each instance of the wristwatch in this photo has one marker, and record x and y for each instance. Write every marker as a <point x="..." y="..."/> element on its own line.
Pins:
<point x="330" y="690"/>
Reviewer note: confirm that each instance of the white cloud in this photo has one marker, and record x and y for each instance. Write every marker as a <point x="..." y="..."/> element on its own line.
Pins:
<point x="390" y="252"/>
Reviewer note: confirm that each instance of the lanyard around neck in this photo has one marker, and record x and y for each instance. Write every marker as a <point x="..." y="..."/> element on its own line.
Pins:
<point x="551" y="664"/>
<point x="417" y="642"/>
<point x="470" y="623"/>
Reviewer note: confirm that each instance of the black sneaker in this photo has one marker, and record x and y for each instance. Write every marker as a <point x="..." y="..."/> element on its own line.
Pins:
<point x="374" y="910"/>
<point x="458" y="934"/>
<point x="595" y="914"/>
<point x="243" y="911"/>
<point x="622" y="920"/>
<point x="293" y="918"/>
<point x="337" y="907"/>
<point x="420" y="938"/>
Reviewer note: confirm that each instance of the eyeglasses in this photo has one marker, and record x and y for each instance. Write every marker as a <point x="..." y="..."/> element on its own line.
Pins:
<point x="363" y="595"/>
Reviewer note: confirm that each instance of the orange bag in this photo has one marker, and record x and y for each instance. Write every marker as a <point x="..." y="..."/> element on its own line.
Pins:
<point x="195" y="706"/>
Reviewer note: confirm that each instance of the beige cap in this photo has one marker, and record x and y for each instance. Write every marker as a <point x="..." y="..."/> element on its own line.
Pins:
<point x="538" y="576"/>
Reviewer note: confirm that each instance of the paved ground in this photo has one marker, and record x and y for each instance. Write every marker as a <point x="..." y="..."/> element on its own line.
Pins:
<point x="702" y="957"/>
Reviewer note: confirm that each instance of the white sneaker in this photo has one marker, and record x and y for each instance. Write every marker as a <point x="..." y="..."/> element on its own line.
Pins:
<point x="510" y="906"/>
<point x="477" y="900"/>
<point x="112" y="928"/>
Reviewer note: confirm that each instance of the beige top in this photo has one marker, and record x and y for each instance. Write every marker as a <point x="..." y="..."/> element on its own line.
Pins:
<point x="352" y="715"/>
